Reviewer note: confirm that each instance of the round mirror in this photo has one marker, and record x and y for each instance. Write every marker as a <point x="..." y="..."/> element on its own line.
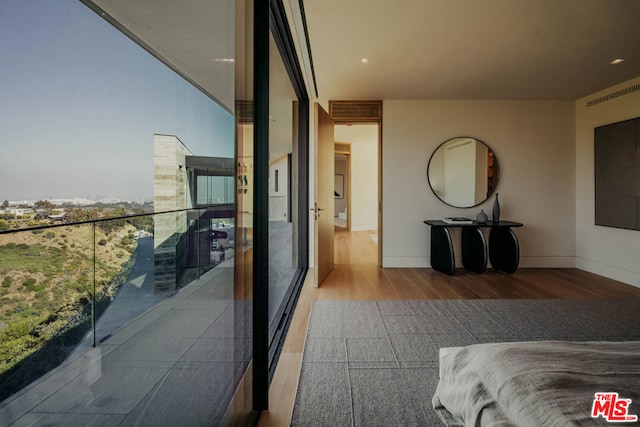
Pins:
<point x="463" y="172"/>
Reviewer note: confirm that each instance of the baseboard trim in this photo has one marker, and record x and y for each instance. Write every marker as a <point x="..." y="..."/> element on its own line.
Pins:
<point x="547" y="262"/>
<point x="405" y="262"/>
<point x="525" y="262"/>
<point x="364" y="227"/>
<point x="625" y="276"/>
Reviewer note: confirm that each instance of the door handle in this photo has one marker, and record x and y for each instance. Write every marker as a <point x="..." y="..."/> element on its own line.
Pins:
<point x="316" y="211"/>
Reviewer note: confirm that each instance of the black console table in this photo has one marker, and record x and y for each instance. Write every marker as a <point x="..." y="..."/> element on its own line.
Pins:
<point x="503" y="248"/>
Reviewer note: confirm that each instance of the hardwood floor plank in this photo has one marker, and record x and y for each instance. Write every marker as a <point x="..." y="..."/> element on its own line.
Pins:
<point x="282" y="392"/>
<point x="294" y="343"/>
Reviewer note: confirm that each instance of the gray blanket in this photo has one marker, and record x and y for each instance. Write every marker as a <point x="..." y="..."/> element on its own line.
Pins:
<point x="545" y="383"/>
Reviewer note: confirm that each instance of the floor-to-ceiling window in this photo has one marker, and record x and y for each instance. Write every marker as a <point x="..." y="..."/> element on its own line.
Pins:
<point x="121" y="276"/>
<point x="288" y="180"/>
<point x="281" y="182"/>
<point x="169" y="253"/>
<point x="282" y="260"/>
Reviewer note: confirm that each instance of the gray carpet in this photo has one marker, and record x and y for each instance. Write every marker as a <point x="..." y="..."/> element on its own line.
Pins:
<point x="375" y="363"/>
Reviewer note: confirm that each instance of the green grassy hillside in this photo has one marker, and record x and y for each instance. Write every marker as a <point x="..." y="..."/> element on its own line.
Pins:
<point x="47" y="280"/>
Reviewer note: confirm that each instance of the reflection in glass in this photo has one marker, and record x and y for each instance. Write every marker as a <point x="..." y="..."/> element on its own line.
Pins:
<point x="463" y="172"/>
<point x="47" y="292"/>
<point x="282" y="218"/>
<point x="68" y="288"/>
<point x="214" y="189"/>
<point x="149" y="290"/>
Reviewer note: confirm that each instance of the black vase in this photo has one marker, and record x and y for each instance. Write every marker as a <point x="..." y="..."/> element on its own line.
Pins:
<point x="496" y="210"/>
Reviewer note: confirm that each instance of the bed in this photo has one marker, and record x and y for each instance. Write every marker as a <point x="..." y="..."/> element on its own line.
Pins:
<point x="544" y="383"/>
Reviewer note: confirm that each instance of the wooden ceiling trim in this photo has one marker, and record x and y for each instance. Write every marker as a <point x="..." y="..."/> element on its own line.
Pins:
<point x="355" y="111"/>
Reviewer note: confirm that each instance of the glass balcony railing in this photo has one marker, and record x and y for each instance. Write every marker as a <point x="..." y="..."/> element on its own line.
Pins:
<point x="68" y="287"/>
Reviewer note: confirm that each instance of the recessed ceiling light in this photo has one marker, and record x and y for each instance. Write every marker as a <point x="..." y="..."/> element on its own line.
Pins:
<point x="222" y="60"/>
<point x="617" y="61"/>
<point x="364" y="60"/>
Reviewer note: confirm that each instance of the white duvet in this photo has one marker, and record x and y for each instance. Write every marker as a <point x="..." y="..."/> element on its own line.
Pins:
<point x="545" y="383"/>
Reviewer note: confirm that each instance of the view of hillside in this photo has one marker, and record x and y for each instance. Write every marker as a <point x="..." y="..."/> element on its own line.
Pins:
<point x="47" y="275"/>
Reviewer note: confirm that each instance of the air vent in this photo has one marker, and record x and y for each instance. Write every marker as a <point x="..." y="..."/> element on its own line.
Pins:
<point x="614" y="95"/>
<point x="342" y="148"/>
<point x="356" y="111"/>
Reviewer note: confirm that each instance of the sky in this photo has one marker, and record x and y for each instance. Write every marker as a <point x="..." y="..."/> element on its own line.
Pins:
<point x="80" y="103"/>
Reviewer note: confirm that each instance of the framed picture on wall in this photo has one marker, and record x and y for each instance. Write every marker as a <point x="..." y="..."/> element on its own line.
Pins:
<point x="338" y="186"/>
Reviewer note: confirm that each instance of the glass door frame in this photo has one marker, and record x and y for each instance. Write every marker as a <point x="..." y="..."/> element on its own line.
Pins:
<point x="270" y="18"/>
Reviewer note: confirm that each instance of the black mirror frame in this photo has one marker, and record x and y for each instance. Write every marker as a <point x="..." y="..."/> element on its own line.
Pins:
<point x="496" y="172"/>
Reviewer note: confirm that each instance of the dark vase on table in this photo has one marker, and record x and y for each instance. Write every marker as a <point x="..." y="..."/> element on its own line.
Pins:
<point x="481" y="218"/>
<point x="496" y="210"/>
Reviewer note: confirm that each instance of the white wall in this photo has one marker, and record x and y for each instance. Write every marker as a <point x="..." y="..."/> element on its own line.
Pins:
<point x="364" y="173"/>
<point x="534" y="144"/>
<point x="607" y="251"/>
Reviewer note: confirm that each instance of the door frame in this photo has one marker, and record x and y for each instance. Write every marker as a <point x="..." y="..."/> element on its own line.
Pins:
<point x="363" y="112"/>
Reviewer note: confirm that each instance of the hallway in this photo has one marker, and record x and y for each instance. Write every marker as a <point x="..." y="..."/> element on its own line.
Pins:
<point x="355" y="247"/>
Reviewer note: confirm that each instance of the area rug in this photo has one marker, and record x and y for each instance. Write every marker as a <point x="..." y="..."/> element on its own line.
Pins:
<point x="375" y="363"/>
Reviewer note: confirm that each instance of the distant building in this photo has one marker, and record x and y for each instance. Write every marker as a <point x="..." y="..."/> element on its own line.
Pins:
<point x="170" y="188"/>
<point x="58" y="217"/>
<point x="182" y="183"/>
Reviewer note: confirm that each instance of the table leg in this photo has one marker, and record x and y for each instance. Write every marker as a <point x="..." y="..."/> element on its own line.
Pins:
<point x="504" y="251"/>
<point x="474" y="249"/>
<point x="442" y="258"/>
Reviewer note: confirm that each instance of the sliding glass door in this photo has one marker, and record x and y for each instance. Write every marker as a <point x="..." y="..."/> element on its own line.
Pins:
<point x="284" y="158"/>
<point x="283" y="179"/>
<point x="273" y="188"/>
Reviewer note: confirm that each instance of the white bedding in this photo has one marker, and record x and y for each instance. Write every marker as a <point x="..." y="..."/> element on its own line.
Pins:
<point x="545" y="383"/>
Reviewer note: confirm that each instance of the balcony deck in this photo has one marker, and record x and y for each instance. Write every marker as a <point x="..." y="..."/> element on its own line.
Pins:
<point x="176" y="364"/>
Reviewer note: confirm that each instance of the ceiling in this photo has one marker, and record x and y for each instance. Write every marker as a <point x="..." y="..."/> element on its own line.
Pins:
<point x="470" y="49"/>
<point x="180" y="34"/>
<point x="416" y="49"/>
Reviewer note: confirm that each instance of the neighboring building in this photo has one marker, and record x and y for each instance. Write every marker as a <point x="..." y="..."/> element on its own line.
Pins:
<point x="171" y="188"/>
<point x="57" y="217"/>
<point x="192" y="190"/>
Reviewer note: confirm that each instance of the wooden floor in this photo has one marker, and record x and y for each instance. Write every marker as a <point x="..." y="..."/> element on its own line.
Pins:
<point x="356" y="276"/>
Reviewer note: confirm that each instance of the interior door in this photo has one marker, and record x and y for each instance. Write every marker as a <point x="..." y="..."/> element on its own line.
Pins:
<point x="323" y="207"/>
